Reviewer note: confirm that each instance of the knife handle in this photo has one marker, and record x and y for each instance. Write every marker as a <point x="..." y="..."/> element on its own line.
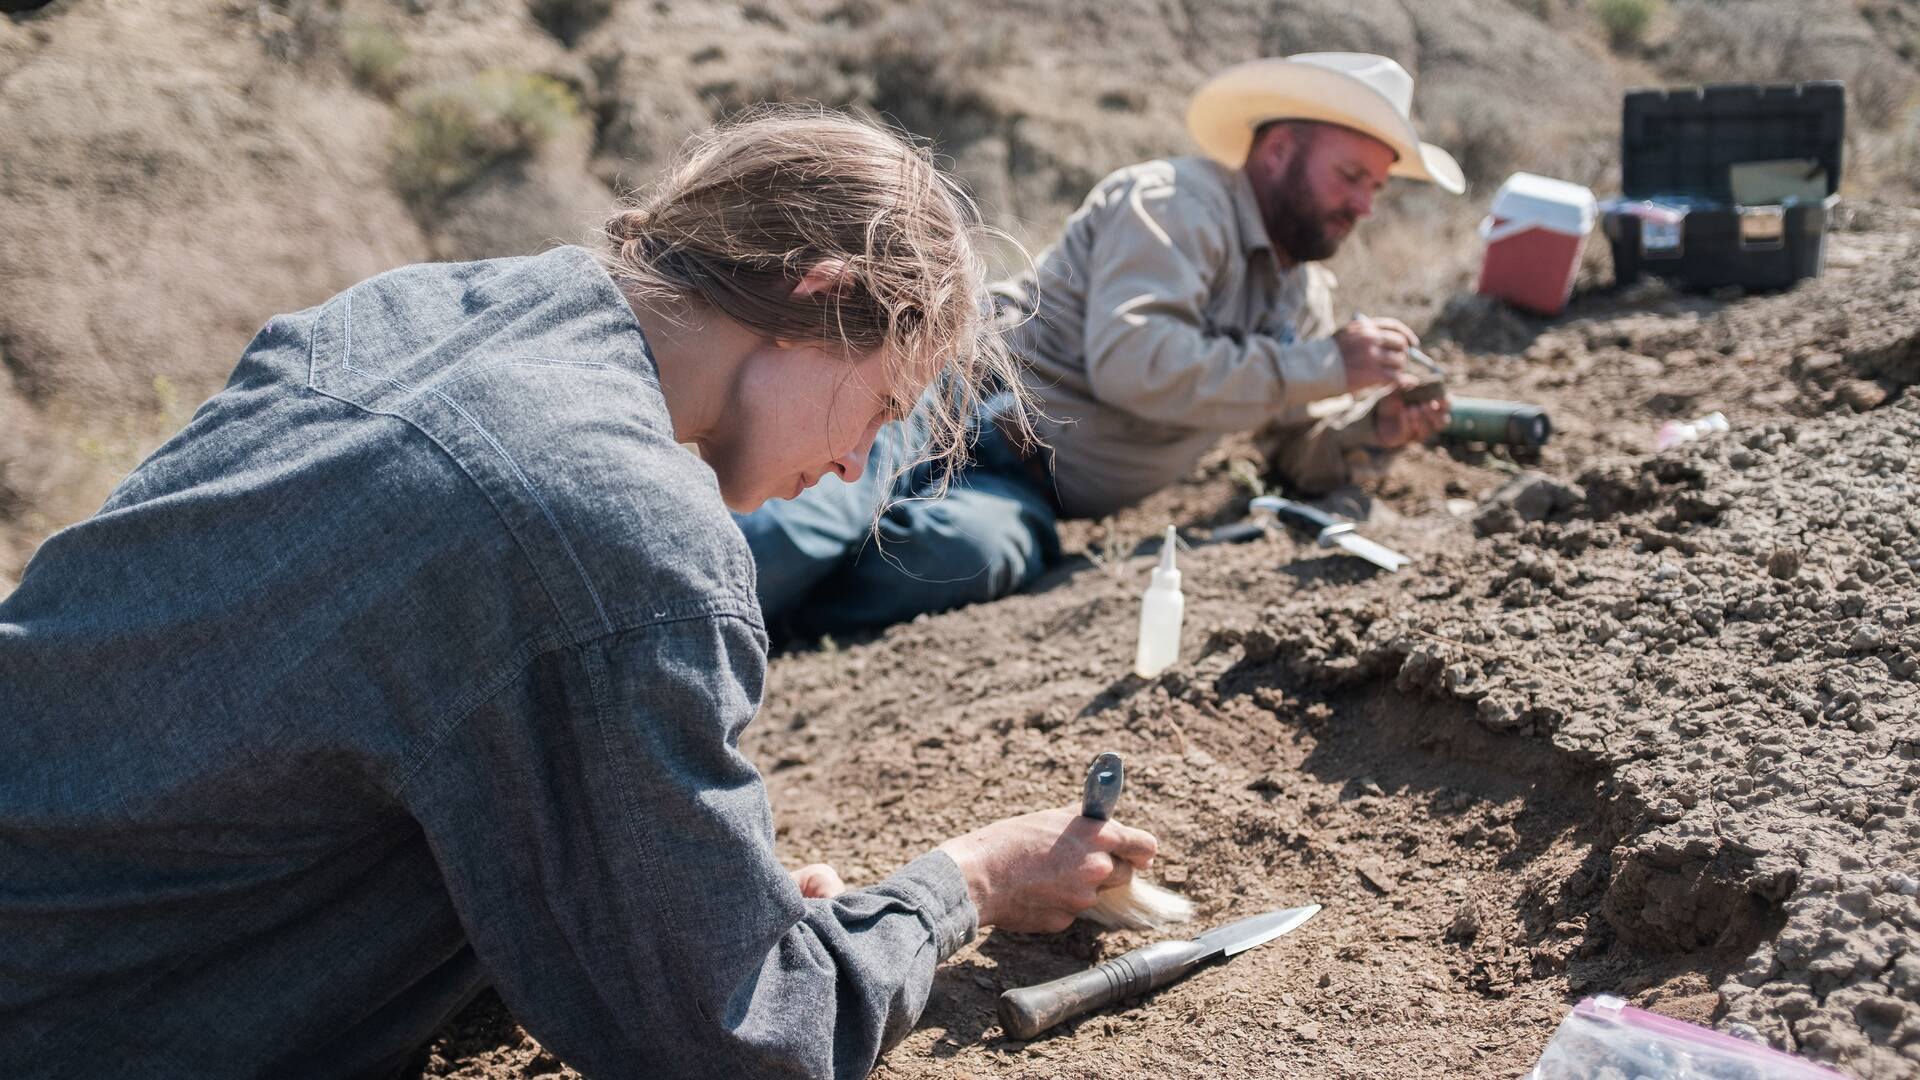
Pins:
<point x="1029" y="1010"/>
<point x="1237" y="533"/>
<point x="1105" y="777"/>
<point x="1312" y="520"/>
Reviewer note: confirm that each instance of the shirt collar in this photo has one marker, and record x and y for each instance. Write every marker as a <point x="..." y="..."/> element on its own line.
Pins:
<point x="1253" y="227"/>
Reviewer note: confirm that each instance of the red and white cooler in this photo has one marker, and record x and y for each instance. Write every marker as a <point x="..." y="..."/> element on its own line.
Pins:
<point x="1533" y="234"/>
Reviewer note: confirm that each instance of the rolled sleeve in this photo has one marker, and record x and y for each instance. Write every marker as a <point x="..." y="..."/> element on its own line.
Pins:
<point x="1150" y="348"/>
<point x="934" y="885"/>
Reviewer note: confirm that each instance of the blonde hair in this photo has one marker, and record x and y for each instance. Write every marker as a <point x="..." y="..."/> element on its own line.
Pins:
<point x="753" y="204"/>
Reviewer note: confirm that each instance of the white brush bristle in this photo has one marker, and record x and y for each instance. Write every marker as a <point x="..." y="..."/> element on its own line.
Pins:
<point x="1139" y="905"/>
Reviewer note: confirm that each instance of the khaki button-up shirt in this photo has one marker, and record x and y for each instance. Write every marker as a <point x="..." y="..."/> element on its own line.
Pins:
<point x="1160" y="321"/>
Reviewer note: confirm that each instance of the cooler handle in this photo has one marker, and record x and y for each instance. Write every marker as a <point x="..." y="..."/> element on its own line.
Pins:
<point x="1493" y="233"/>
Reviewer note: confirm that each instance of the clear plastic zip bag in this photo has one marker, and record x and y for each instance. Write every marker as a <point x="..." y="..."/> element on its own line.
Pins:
<point x="1604" y="1038"/>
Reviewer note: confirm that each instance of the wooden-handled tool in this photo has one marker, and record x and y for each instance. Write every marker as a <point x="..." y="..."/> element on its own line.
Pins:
<point x="1030" y="1010"/>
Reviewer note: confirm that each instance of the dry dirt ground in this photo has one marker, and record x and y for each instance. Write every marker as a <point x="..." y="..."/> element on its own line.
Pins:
<point x="1647" y="726"/>
<point x="1636" y="723"/>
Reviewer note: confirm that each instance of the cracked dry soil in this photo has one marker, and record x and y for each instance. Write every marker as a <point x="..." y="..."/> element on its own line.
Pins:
<point x="1644" y="725"/>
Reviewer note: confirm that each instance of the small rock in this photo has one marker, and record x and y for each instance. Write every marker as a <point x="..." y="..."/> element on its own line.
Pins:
<point x="1784" y="563"/>
<point x="1867" y="638"/>
<point x="1308" y="1032"/>
<point x="1860" y="395"/>
<point x="1375" y="874"/>
<point x="1466" y="922"/>
<point x="1529" y="496"/>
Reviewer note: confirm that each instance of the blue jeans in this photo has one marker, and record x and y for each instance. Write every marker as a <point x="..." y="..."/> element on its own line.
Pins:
<point x="827" y="567"/>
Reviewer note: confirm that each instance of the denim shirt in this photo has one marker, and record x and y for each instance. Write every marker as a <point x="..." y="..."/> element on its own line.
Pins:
<point x="417" y="661"/>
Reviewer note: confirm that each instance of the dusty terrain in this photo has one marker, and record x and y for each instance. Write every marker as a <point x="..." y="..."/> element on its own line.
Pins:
<point x="1640" y="723"/>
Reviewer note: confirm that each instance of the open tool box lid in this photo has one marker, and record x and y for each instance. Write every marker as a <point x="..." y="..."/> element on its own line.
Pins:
<point x="1688" y="141"/>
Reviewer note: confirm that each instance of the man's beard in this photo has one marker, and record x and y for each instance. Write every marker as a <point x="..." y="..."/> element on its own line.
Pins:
<point x="1299" y="227"/>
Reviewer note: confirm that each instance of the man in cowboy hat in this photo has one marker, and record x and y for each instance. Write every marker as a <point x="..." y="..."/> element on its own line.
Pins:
<point x="1184" y="301"/>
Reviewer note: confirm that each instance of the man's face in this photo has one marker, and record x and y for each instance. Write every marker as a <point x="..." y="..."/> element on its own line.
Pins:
<point x="1314" y="183"/>
<point x="798" y="412"/>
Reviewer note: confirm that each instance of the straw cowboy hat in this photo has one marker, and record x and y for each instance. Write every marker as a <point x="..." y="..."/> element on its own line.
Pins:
<point x="1370" y="94"/>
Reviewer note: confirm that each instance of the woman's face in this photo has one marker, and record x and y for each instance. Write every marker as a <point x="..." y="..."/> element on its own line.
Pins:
<point x="799" y="412"/>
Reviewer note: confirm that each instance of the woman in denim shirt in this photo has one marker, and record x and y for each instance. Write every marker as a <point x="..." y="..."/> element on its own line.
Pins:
<point x="418" y="660"/>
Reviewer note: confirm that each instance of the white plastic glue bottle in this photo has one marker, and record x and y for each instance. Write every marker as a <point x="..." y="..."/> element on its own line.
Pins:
<point x="1160" y="612"/>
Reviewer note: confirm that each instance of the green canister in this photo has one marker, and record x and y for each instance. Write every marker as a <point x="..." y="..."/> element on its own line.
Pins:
<point x="1490" y="420"/>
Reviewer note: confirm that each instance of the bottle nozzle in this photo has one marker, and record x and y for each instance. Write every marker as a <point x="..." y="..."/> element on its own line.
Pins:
<point x="1167" y="549"/>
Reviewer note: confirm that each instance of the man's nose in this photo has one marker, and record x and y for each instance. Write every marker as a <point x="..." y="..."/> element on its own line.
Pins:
<point x="1361" y="204"/>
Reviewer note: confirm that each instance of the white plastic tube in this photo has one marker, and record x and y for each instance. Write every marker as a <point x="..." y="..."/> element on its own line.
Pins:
<point x="1161" y="610"/>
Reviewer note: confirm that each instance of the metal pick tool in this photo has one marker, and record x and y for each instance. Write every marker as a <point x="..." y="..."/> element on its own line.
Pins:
<point x="1413" y="351"/>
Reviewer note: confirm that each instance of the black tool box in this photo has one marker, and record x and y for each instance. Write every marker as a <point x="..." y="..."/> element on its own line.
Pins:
<point x="1727" y="185"/>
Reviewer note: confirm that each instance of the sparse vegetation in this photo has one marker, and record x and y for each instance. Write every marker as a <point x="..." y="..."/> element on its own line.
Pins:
<point x="135" y="435"/>
<point x="452" y="133"/>
<point x="1626" y="22"/>
<point x="376" y="57"/>
<point x="295" y="30"/>
<point x="1482" y="134"/>
<point x="928" y="69"/>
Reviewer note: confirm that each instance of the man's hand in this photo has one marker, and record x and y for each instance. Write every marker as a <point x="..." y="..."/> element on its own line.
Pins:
<point x="1397" y="424"/>
<point x="818" y="881"/>
<point x="1375" y="352"/>
<point x="1037" y="872"/>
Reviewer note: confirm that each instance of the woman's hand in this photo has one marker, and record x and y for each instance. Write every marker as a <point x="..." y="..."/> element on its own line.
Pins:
<point x="1038" y="871"/>
<point x="818" y="881"/>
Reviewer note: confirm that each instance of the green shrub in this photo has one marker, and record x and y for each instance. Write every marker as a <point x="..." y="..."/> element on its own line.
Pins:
<point x="1625" y="21"/>
<point x="375" y="56"/>
<point x="452" y="133"/>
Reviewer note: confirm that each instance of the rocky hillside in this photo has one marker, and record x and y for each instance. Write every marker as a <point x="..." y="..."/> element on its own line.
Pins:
<point x="174" y="172"/>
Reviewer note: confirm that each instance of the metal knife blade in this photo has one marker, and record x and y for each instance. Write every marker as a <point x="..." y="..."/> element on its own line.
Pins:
<point x="1328" y="531"/>
<point x="1028" y="1010"/>
<point x="1237" y="937"/>
<point x="1383" y="557"/>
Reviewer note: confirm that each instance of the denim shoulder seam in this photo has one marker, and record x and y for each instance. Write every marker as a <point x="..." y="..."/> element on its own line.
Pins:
<point x="346" y="361"/>
<point x="522" y="360"/>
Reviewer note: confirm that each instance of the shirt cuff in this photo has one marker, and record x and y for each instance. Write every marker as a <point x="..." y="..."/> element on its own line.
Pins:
<point x="938" y="890"/>
<point x="1311" y="371"/>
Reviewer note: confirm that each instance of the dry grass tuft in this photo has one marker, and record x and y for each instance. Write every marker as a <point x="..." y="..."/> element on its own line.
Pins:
<point x="453" y="133"/>
<point x="1626" y="22"/>
<point x="376" y="57"/>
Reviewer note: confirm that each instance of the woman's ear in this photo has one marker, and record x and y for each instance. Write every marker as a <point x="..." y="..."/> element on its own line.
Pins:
<point x="825" y="277"/>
